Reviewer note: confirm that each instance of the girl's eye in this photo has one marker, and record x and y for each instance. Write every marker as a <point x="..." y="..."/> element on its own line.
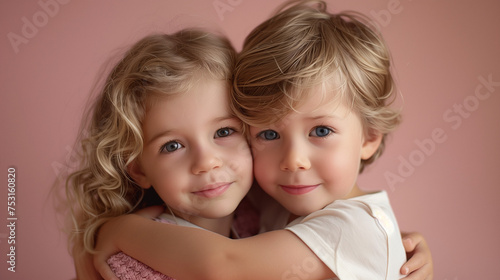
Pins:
<point x="171" y="146"/>
<point x="268" y="135"/>
<point x="321" y="131"/>
<point x="224" y="132"/>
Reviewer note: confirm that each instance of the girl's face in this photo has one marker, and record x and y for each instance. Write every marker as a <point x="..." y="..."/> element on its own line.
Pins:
<point x="311" y="157"/>
<point x="195" y="155"/>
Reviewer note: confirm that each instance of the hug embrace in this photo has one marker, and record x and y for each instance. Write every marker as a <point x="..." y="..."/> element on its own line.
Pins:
<point x="250" y="158"/>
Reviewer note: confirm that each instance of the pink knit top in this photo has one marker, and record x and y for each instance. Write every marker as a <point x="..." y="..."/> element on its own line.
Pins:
<point x="126" y="267"/>
<point x="246" y="223"/>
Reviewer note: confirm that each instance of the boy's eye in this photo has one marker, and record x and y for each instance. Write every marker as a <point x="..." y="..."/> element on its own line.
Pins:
<point x="171" y="146"/>
<point x="224" y="132"/>
<point x="321" y="131"/>
<point x="268" y="135"/>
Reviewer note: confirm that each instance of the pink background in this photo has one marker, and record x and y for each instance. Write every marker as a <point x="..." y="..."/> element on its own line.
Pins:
<point x="440" y="168"/>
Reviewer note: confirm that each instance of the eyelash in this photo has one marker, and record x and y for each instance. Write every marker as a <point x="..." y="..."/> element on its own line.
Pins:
<point x="232" y="130"/>
<point x="262" y="134"/>
<point x="330" y="130"/>
<point x="164" y="146"/>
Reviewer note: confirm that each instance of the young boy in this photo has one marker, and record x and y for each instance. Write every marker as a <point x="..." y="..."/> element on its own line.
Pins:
<point x="314" y="89"/>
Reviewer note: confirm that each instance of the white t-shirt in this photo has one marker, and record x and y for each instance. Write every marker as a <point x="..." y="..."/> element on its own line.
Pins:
<point x="356" y="238"/>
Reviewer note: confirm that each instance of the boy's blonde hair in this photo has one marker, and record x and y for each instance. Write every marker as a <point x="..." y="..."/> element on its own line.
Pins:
<point x="303" y="46"/>
<point x="157" y="65"/>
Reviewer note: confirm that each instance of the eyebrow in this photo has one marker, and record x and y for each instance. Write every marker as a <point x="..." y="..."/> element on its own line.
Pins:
<point x="323" y="117"/>
<point x="159" y="135"/>
<point x="170" y="131"/>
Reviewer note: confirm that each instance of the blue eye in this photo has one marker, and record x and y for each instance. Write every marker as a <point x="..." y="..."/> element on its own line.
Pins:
<point x="268" y="135"/>
<point x="321" y="131"/>
<point x="170" y="147"/>
<point x="224" y="132"/>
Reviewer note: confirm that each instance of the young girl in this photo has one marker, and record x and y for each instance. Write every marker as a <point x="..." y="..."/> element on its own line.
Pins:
<point x="315" y="90"/>
<point x="162" y="122"/>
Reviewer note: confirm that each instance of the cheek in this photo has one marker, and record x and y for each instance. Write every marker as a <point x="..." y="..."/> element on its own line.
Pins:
<point x="342" y="166"/>
<point x="241" y="164"/>
<point x="237" y="156"/>
<point x="262" y="166"/>
<point x="169" y="179"/>
<point x="169" y="194"/>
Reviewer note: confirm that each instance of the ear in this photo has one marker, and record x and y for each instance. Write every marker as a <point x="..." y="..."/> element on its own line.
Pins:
<point x="134" y="169"/>
<point x="370" y="145"/>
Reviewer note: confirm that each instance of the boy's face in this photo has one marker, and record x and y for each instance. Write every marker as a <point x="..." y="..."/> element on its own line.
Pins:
<point x="311" y="157"/>
<point x="195" y="155"/>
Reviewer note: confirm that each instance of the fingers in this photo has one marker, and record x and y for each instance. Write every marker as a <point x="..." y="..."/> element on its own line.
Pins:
<point x="416" y="261"/>
<point x="410" y="240"/>
<point x="105" y="247"/>
<point x="151" y="212"/>
<point x="419" y="265"/>
<point x="103" y="268"/>
<point x="424" y="273"/>
<point x="85" y="268"/>
<point x="83" y="262"/>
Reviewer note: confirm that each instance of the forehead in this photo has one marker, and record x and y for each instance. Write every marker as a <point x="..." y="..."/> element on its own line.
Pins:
<point x="198" y="92"/>
<point x="204" y="100"/>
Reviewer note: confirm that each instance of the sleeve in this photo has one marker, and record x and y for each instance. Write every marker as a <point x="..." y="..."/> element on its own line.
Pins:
<point x="348" y="239"/>
<point x="126" y="267"/>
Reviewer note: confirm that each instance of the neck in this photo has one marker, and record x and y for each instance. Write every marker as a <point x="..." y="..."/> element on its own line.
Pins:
<point x="355" y="191"/>
<point x="221" y="226"/>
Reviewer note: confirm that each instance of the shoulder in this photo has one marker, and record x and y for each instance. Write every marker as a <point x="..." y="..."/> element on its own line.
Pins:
<point x="352" y="218"/>
<point x="366" y="206"/>
<point x="348" y="233"/>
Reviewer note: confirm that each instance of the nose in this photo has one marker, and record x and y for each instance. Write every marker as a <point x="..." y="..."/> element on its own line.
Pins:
<point x="204" y="160"/>
<point x="294" y="158"/>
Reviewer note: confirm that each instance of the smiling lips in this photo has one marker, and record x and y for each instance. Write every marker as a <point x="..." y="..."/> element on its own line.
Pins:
<point x="298" y="189"/>
<point x="213" y="190"/>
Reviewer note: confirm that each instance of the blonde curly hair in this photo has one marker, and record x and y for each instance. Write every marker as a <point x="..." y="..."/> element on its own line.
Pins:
<point x="155" y="66"/>
<point x="303" y="46"/>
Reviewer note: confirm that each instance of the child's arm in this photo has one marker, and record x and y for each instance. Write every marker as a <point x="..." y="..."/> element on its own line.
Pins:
<point x="419" y="264"/>
<point x="200" y="254"/>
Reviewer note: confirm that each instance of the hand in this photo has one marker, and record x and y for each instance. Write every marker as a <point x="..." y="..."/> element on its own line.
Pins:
<point x="419" y="265"/>
<point x="106" y="237"/>
<point x="105" y="247"/>
<point x="83" y="263"/>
